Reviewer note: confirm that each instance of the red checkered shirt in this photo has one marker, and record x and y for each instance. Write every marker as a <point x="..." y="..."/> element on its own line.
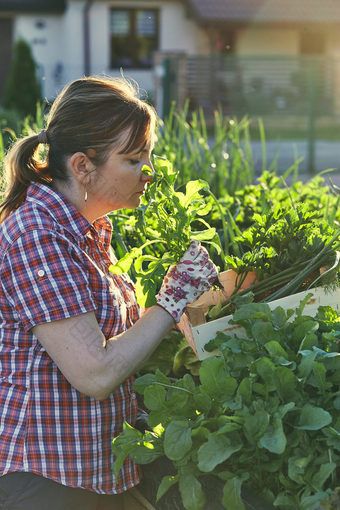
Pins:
<point x="54" y="265"/>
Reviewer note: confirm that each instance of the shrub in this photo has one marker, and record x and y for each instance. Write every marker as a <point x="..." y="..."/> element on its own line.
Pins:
<point x="22" y="89"/>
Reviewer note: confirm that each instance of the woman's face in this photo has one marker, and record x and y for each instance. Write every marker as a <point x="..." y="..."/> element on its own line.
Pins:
<point x="119" y="182"/>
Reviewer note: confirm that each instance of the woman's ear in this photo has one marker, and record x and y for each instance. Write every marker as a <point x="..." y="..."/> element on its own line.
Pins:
<point x="81" y="166"/>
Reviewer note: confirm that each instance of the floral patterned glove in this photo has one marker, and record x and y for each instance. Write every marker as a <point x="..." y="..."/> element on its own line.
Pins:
<point x="186" y="281"/>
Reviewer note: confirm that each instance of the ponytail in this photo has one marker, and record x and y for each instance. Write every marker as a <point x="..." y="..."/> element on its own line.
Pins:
<point x="21" y="167"/>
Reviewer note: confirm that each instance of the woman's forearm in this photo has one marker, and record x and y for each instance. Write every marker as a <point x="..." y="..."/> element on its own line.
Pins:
<point x="96" y="366"/>
<point x="127" y="352"/>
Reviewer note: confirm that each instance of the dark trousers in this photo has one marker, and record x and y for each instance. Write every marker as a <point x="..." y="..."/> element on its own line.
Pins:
<point x="27" y="491"/>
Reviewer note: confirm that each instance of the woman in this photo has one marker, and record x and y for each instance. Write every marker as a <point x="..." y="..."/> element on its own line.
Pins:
<point x="71" y="332"/>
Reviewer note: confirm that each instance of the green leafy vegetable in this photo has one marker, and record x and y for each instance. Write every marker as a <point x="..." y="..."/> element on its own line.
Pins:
<point x="265" y="414"/>
<point x="167" y="221"/>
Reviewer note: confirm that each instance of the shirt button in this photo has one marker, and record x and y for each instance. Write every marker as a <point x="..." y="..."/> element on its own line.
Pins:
<point x="133" y="396"/>
<point x="41" y="272"/>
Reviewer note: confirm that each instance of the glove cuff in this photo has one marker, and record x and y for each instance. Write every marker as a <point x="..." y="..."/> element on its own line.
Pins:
<point x="176" y="312"/>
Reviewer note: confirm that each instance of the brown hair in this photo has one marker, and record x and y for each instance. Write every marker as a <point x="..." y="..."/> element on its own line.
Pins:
<point x="90" y="113"/>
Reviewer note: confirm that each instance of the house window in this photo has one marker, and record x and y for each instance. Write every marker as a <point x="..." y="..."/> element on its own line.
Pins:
<point x="134" y="37"/>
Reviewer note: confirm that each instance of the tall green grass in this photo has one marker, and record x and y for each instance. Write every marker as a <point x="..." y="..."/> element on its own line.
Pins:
<point x="10" y="130"/>
<point x="220" y="154"/>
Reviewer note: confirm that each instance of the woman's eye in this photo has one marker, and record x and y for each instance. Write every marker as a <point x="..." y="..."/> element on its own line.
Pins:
<point x="134" y="161"/>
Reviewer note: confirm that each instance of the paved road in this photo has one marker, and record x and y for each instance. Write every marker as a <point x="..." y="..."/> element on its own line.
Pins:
<point x="327" y="155"/>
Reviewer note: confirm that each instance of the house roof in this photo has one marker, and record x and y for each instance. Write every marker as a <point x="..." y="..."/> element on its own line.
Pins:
<point x="267" y="10"/>
<point x="52" y="6"/>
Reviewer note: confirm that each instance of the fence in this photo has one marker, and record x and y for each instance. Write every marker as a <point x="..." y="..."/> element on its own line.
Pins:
<point x="291" y="91"/>
<point x="256" y="85"/>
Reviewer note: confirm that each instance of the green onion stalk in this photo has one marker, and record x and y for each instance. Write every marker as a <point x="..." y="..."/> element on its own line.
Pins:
<point x="287" y="282"/>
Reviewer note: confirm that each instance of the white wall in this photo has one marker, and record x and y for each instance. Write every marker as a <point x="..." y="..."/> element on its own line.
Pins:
<point x="43" y="41"/>
<point x="99" y="16"/>
<point x="73" y="40"/>
<point x="180" y="33"/>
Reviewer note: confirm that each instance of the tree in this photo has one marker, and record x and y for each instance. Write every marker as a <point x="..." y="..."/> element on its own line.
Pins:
<point x="22" y="89"/>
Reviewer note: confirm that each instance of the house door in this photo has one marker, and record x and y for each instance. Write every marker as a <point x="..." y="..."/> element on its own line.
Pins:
<point x="6" y="26"/>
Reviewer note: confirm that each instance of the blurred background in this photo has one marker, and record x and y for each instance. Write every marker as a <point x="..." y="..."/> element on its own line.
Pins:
<point x="278" y="60"/>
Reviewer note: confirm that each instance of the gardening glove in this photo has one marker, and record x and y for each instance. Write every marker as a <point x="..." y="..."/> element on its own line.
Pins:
<point x="194" y="274"/>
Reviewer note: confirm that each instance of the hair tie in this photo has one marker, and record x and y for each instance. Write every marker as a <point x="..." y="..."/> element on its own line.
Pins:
<point x="42" y="136"/>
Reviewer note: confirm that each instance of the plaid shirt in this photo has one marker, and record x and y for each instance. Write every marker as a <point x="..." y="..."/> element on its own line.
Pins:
<point x="54" y="265"/>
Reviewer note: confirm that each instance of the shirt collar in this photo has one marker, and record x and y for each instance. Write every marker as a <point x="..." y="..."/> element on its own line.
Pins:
<point x="66" y="214"/>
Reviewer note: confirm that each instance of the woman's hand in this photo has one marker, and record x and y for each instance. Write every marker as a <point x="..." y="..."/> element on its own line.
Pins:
<point x="186" y="281"/>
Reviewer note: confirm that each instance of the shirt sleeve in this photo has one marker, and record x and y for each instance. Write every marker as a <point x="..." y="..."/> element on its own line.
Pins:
<point x="44" y="278"/>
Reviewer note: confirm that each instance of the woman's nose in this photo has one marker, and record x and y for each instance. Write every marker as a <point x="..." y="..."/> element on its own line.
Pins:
<point x="147" y="172"/>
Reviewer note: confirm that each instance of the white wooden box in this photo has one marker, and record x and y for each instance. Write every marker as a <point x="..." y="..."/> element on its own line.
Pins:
<point x="198" y="336"/>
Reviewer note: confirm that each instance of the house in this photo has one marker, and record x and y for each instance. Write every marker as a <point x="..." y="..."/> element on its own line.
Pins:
<point x="279" y="55"/>
<point x="271" y="27"/>
<point x="72" y="38"/>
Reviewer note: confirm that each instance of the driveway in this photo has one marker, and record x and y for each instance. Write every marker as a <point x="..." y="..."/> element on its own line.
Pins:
<point x="327" y="156"/>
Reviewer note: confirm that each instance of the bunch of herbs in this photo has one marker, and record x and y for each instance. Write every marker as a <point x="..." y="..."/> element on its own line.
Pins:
<point x="219" y="153"/>
<point x="286" y="250"/>
<point x="168" y="220"/>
